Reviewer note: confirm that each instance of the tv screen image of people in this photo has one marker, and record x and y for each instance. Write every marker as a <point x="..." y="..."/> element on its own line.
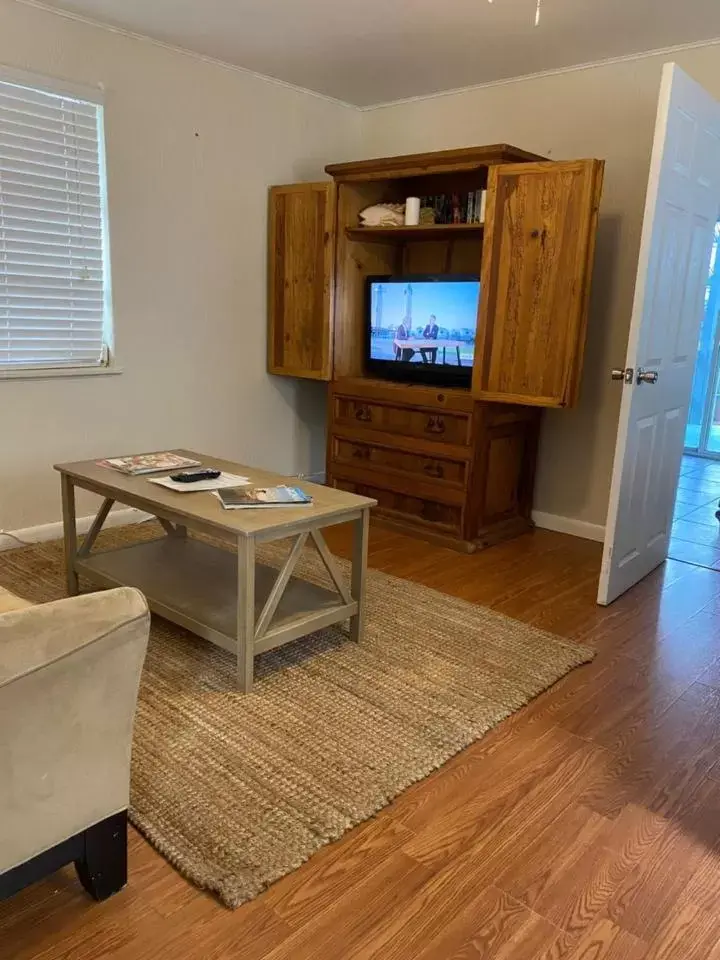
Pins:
<point x="424" y="321"/>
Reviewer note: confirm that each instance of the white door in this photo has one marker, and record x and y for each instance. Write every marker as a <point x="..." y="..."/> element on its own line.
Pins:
<point x="681" y="208"/>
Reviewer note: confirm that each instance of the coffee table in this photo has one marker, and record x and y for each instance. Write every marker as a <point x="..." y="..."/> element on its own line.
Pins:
<point x="226" y="597"/>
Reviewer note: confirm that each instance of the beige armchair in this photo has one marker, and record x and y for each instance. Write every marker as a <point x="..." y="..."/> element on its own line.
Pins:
<point x="69" y="678"/>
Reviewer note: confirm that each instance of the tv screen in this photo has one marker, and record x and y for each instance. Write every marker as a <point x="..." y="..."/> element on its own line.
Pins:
<point x="422" y="328"/>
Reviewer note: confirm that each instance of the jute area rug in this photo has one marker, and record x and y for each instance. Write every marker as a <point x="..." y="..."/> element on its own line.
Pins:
<point x="237" y="791"/>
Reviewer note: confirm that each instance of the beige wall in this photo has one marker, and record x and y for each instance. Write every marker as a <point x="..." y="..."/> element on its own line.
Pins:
<point x="187" y="221"/>
<point x="607" y="112"/>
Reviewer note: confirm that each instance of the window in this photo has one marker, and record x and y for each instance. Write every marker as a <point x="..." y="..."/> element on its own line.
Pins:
<point x="55" y="308"/>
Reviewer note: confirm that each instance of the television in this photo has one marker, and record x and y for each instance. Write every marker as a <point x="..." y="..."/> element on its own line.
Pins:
<point x="422" y="328"/>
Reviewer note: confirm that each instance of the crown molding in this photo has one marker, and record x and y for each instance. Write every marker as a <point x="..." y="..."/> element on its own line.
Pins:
<point x="184" y="51"/>
<point x="540" y="75"/>
<point x="486" y="85"/>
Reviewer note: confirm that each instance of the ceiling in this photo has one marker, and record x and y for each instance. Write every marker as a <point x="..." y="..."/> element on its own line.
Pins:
<point x="371" y="51"/>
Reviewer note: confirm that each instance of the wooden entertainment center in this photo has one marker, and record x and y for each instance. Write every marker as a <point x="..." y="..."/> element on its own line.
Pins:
<point x="453" y="465"/>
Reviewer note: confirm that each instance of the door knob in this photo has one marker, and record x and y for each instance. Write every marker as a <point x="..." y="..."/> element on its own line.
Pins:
<point x="625" y="374"/>
<point x="647" y="376"/>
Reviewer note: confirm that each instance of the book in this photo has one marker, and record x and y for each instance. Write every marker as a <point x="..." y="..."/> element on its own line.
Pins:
<point x="470" y="209"/>
<point x="242" y="499"/>
<point x="142" y="463"/>
<point x="475" y="206"/>
<point x="483" y="204"/>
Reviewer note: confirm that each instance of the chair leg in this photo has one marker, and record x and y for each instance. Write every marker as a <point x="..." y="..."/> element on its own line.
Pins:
<point x="103" y="867"/>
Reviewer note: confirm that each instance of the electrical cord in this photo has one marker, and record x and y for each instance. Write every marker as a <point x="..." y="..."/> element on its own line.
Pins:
<point x="26" y="543"/>
<point x="11" y="536"/>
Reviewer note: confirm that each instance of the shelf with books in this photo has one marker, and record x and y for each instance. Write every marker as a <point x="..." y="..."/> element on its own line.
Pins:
<point x="423" y="231"/>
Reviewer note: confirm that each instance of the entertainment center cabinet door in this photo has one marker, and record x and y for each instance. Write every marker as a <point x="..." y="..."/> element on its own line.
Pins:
<point x="537" y="262"/>
<point x="301" y="275"/>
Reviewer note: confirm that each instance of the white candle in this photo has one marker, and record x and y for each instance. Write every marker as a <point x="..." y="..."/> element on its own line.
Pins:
<point x="412" y="211"/>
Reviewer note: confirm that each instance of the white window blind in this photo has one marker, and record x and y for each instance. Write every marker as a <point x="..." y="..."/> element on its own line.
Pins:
<point x="54" y="282"/>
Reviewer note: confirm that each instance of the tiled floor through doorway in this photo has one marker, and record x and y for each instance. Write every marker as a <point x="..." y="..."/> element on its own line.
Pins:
<point x="696" y="529"/>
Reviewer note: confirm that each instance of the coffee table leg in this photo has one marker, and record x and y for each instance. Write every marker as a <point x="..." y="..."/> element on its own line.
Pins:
<point x="359" y="573"/>
<point x="246" y="613"/>
<point x="69" y="534"/>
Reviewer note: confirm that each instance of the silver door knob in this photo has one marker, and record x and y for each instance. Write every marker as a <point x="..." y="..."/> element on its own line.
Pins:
<point x="625" y="374"/>
<point x="647" y="376"/>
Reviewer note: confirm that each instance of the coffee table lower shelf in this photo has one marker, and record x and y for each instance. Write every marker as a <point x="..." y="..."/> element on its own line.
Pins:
<point x="195" y="585"/>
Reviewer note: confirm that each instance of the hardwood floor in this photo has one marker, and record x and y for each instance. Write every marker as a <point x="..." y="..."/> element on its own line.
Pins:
<point x="587" y="826"/>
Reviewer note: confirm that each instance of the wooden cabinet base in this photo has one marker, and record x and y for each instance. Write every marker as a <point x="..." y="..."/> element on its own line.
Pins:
<point x="504" y="530"/>
<point x="488" y="537"/>
<point x="454" y="472"/>
<point x="507" y="530"/>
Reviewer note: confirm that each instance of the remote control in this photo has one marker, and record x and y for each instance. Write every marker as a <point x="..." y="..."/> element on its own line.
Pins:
<point x="192" y="476"/>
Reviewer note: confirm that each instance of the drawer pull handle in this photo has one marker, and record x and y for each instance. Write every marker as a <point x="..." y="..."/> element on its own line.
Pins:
<point x="434" y="470"/>
<point x="435" y="425"/>
<point x="363" y="414"/>
<point x="361" y="453"/>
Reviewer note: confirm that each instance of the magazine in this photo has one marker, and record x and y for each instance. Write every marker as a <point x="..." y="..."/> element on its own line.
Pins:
<point x="242" y="499"/>
<point x="148" y="463"/>
<point x="201" y="486"/>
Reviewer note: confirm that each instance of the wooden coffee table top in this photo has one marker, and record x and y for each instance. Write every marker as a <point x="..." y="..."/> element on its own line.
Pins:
<point x="205" y="508"/>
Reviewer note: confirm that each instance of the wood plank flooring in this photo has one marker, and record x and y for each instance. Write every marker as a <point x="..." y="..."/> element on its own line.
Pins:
<point x="587" y="826"/>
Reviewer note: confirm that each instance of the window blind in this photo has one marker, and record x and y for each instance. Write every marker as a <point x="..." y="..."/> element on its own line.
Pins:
<point x="54" y="303"/>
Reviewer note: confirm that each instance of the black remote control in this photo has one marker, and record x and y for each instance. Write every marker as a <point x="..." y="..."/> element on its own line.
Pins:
<point x="192" y="476"/>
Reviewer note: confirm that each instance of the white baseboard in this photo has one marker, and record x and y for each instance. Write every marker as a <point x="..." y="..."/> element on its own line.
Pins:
<point x="118" y="518"/>
<point x="54" y="531"/>
<point x="576" y="528"/>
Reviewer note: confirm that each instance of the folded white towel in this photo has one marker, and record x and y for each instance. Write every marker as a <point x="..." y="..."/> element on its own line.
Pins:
<point x="383" y="215"/>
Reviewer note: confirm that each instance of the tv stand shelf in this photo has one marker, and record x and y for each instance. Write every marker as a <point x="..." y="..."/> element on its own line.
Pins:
<point x="448" y="464"/>
<point x="424" y="231"/>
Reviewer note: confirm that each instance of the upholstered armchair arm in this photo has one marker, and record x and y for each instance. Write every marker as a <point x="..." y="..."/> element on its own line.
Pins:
<point x="38" y="636"/>
<point x="69" y="678"/>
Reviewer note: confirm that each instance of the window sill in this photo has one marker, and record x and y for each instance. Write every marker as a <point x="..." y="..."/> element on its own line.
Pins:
<point x="53" y="373"/>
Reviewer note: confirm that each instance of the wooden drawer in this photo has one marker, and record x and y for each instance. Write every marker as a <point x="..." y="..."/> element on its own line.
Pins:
<point x="443" y="517"/>
<point x="358" y="453"/>
<point x="385" y="391"/>
<point x="441" y="427"/>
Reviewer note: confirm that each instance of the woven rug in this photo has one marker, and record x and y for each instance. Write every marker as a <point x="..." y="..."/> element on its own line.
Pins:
<point x="237" y="791"/>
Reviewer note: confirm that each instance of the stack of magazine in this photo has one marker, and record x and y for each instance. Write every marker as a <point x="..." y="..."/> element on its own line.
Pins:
<point x="244" y="498"/>
<point x="142" y="463"/>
